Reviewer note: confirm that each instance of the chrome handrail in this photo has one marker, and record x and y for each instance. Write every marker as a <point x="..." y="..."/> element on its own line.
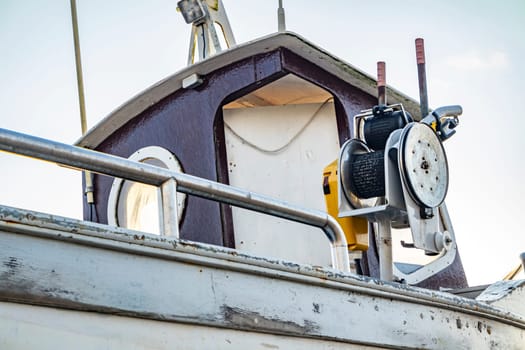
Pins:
<point x="171" y="182"/>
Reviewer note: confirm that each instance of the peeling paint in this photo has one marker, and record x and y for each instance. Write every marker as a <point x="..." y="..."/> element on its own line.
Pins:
<point x="58" y="292"/>
<point x="203" y="293"/>
<point x="12" y="265"/>
<point x="256" y="321"/>
<point x="315" y="308"/>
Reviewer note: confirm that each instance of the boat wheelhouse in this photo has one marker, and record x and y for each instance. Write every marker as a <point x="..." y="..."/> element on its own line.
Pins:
<point x="208" y="227"/>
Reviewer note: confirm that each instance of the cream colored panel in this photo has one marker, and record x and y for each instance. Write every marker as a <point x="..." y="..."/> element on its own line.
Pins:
<point x="287" y="90"/>
<point x="281" y="151"/>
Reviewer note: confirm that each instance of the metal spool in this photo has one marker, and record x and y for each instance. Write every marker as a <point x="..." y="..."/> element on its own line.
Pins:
<point x="423" y="165"/>
<point x="368" y="175"/>
<point x="362" y="174"/>
<point x="378" y="128"/>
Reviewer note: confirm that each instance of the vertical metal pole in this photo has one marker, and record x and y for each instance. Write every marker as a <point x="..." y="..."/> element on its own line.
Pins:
<point x="81" y="100"/>
<point x="281" y="22"/>
<point x="385" y="250"/>
<point x="422" y="76"/>
<point x="193" y="40"/>
<point x="201" y="41"/>
<point x="170" y="222"/>
<point x="219" y="16"/>
<point x="78" y="62"/>
<point x="381" y="83"/>
<point x="340" y="259"/>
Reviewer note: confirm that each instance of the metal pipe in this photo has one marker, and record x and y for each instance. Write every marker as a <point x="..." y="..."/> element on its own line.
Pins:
<point x="386" y="270"/>
<point x="447" y="111"/>
<point x="281" y="23"/>
<point x="170" y="225"/>
<point x="422" y="76"/>
<point x="81" y="158"/>
<point x="381" y="83"/>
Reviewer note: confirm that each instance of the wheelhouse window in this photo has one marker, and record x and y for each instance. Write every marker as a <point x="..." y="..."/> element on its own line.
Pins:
<point x="135" y="205"/>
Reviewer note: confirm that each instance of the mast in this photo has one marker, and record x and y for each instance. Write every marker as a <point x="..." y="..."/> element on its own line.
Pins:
<point x="205" y="17"/>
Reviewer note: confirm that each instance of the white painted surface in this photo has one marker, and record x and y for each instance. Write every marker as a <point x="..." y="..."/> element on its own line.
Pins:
<point x="53" y="261"/>
<point x="293" y="175"/>
<point x="508" y="295"/>
<point x="31" y="327"/>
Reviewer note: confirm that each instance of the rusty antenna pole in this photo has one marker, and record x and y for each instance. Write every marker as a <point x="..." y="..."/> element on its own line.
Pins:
<point x="422" y="76"/>
<point x="381" y="83"/>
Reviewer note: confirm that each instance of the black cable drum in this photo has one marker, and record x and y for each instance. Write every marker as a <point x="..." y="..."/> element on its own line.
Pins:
<point x="378" y="128"/>
<point x="367" y="178"/>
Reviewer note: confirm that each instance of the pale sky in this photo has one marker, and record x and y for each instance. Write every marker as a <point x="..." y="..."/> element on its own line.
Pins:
<point x="474" y="51"/>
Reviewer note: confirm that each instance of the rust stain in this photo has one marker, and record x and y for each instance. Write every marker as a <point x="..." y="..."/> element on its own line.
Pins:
<point x="458" y="323"/>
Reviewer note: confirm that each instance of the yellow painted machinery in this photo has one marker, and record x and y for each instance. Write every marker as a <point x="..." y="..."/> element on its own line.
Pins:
<point x="355" y="228"/>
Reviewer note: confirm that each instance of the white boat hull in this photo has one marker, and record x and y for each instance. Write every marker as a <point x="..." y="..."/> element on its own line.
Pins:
<point x="101" y="287"/>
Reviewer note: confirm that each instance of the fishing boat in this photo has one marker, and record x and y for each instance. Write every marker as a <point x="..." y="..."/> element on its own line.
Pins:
<point x="251" y="200"/>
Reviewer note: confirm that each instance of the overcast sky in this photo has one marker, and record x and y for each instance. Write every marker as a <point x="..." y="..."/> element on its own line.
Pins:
<point x="474" y="54"/>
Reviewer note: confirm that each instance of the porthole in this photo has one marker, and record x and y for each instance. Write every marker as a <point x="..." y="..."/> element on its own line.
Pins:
<point x="136" y="206"/>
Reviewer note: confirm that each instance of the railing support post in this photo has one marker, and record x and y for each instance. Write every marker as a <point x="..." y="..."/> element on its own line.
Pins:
<point x="170" y="222"/>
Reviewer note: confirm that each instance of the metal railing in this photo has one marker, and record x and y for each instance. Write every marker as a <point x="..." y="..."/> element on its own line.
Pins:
<point x="171" y="182"/>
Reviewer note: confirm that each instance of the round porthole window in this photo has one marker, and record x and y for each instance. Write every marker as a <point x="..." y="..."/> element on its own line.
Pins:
<point x="136" y="205"/>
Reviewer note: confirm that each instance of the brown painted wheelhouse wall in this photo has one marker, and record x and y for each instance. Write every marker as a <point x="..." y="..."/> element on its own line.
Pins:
<point x="189" y="124"/>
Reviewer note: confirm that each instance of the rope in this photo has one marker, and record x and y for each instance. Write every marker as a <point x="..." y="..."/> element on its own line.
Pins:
<point x="287" y="144"/>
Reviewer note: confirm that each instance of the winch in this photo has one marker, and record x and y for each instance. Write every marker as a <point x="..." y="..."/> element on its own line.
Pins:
<point x="395" y="173"/>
